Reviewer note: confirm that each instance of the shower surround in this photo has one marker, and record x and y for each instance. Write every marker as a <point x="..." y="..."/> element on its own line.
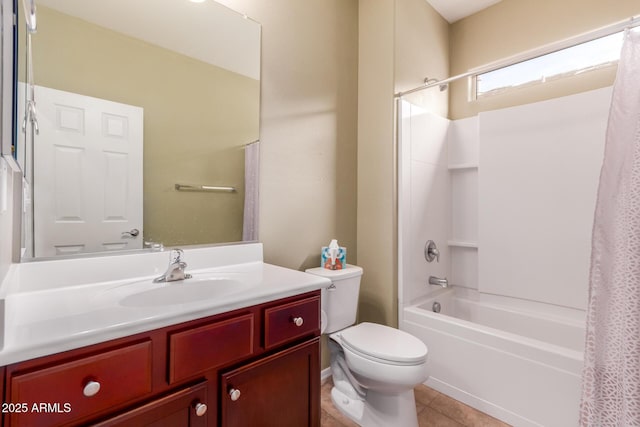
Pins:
<point x="509" y="197"/>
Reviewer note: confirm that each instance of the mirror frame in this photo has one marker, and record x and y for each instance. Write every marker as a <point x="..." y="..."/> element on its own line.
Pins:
<point x="9" y="73"/>
<point x="8" y="123"/>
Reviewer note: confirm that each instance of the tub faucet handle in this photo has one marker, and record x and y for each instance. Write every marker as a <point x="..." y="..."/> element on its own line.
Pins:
<point x="431" y="252"/>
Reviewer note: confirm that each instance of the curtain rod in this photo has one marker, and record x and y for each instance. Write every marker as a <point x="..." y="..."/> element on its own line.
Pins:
<point x="534" y="53"/>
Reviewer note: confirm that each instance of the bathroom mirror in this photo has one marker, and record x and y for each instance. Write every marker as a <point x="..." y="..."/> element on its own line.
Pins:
<point x="145" y="112"/>
<point x="6" y="83"/>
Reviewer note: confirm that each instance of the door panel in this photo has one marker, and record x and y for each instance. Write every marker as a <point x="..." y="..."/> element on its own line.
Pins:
<point x="175" y="410"/>
<point x="87" y="174"/>
<point x="281" y="390"/>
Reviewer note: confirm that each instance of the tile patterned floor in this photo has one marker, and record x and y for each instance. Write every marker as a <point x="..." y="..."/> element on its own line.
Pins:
<point x="434" y="410"/>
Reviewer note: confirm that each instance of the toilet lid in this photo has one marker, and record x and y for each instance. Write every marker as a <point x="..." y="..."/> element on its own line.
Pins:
<point x="384" y="342"/>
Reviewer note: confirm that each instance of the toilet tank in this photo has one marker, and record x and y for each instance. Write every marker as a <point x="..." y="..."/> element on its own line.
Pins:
<point x="340" y="300"/>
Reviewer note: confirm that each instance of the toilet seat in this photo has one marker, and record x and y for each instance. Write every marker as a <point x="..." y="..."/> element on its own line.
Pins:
<point x="384" y="344"/>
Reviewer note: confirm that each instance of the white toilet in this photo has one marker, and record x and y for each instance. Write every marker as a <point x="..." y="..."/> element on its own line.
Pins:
<point x="374" y="367"/>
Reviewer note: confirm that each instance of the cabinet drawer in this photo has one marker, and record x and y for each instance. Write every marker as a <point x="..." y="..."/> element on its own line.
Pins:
<point x="287" y="322"/>
<point x="199" y="349"/>
<point x="63" y="393"/>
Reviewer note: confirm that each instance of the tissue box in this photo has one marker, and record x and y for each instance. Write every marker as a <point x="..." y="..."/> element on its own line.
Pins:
<point x="341" y="259"/>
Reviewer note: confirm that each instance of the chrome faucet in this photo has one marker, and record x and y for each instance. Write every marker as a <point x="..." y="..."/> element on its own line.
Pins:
<point x="175" y="271"/>
<point x="433" y="280"/>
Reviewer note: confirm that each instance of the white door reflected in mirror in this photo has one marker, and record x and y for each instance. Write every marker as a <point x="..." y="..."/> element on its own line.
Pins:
<point x="88" y="174"/>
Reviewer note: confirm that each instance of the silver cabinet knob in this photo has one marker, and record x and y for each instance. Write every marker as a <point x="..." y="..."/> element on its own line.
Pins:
<point x="131" y="233"/>
<point x="200" y="408"/>
<point x="234" y="394"/>
<point x="91" y="388"/>
<point x="298" y="321"/>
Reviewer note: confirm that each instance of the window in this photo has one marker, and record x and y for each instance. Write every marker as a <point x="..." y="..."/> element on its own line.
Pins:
<point x="591" y="55"/>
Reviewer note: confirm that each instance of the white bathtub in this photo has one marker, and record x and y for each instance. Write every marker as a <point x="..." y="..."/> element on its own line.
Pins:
<point x="517" y="360"/>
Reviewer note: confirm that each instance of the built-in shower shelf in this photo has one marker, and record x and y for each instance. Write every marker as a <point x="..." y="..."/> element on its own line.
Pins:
<point x="462" y="166"/>
<point x="463" y="244"/>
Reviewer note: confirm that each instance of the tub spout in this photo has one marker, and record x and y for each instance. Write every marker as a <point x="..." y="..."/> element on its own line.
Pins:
<point x="433" y="280"/>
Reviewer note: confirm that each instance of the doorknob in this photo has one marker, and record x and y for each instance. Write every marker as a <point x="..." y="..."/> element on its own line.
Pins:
<point x="133" y="233"/>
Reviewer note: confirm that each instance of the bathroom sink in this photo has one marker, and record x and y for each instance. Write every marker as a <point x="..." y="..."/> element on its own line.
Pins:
<point x="199" y="288"/>
<point x="184" y="292"/>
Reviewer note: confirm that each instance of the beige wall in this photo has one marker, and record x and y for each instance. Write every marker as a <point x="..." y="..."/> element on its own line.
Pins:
<point x="308" y="127"/>
<point x="197" y="117"/>
<point x="421" y="51"/>
<point x="401" y="43"/>
<point x="376" y="159"/>
<point x="329" y="72"/>
<point x="514" y="26"/>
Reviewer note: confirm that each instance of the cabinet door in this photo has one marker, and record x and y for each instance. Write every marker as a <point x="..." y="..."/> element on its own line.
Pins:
<point x="180" y="409"/>
<point x="281" y="390"/>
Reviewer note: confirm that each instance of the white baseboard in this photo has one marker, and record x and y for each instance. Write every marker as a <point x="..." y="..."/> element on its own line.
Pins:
<point x="325" y="373"/>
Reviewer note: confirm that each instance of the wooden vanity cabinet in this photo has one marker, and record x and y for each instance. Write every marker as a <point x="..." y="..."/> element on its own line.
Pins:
<point x="181" y="375"/>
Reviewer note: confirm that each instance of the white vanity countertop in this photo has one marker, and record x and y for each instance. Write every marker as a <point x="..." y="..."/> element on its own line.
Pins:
<point x="50" y="320"/>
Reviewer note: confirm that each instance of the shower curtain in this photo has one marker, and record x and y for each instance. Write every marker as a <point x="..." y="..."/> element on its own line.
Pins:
<point x="251" y="191"/>
<point x="611" y="374"/>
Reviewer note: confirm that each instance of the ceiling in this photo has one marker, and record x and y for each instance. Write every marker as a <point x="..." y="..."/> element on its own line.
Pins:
<point x="209" y="31"/>
<point x="453" y="10"/>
